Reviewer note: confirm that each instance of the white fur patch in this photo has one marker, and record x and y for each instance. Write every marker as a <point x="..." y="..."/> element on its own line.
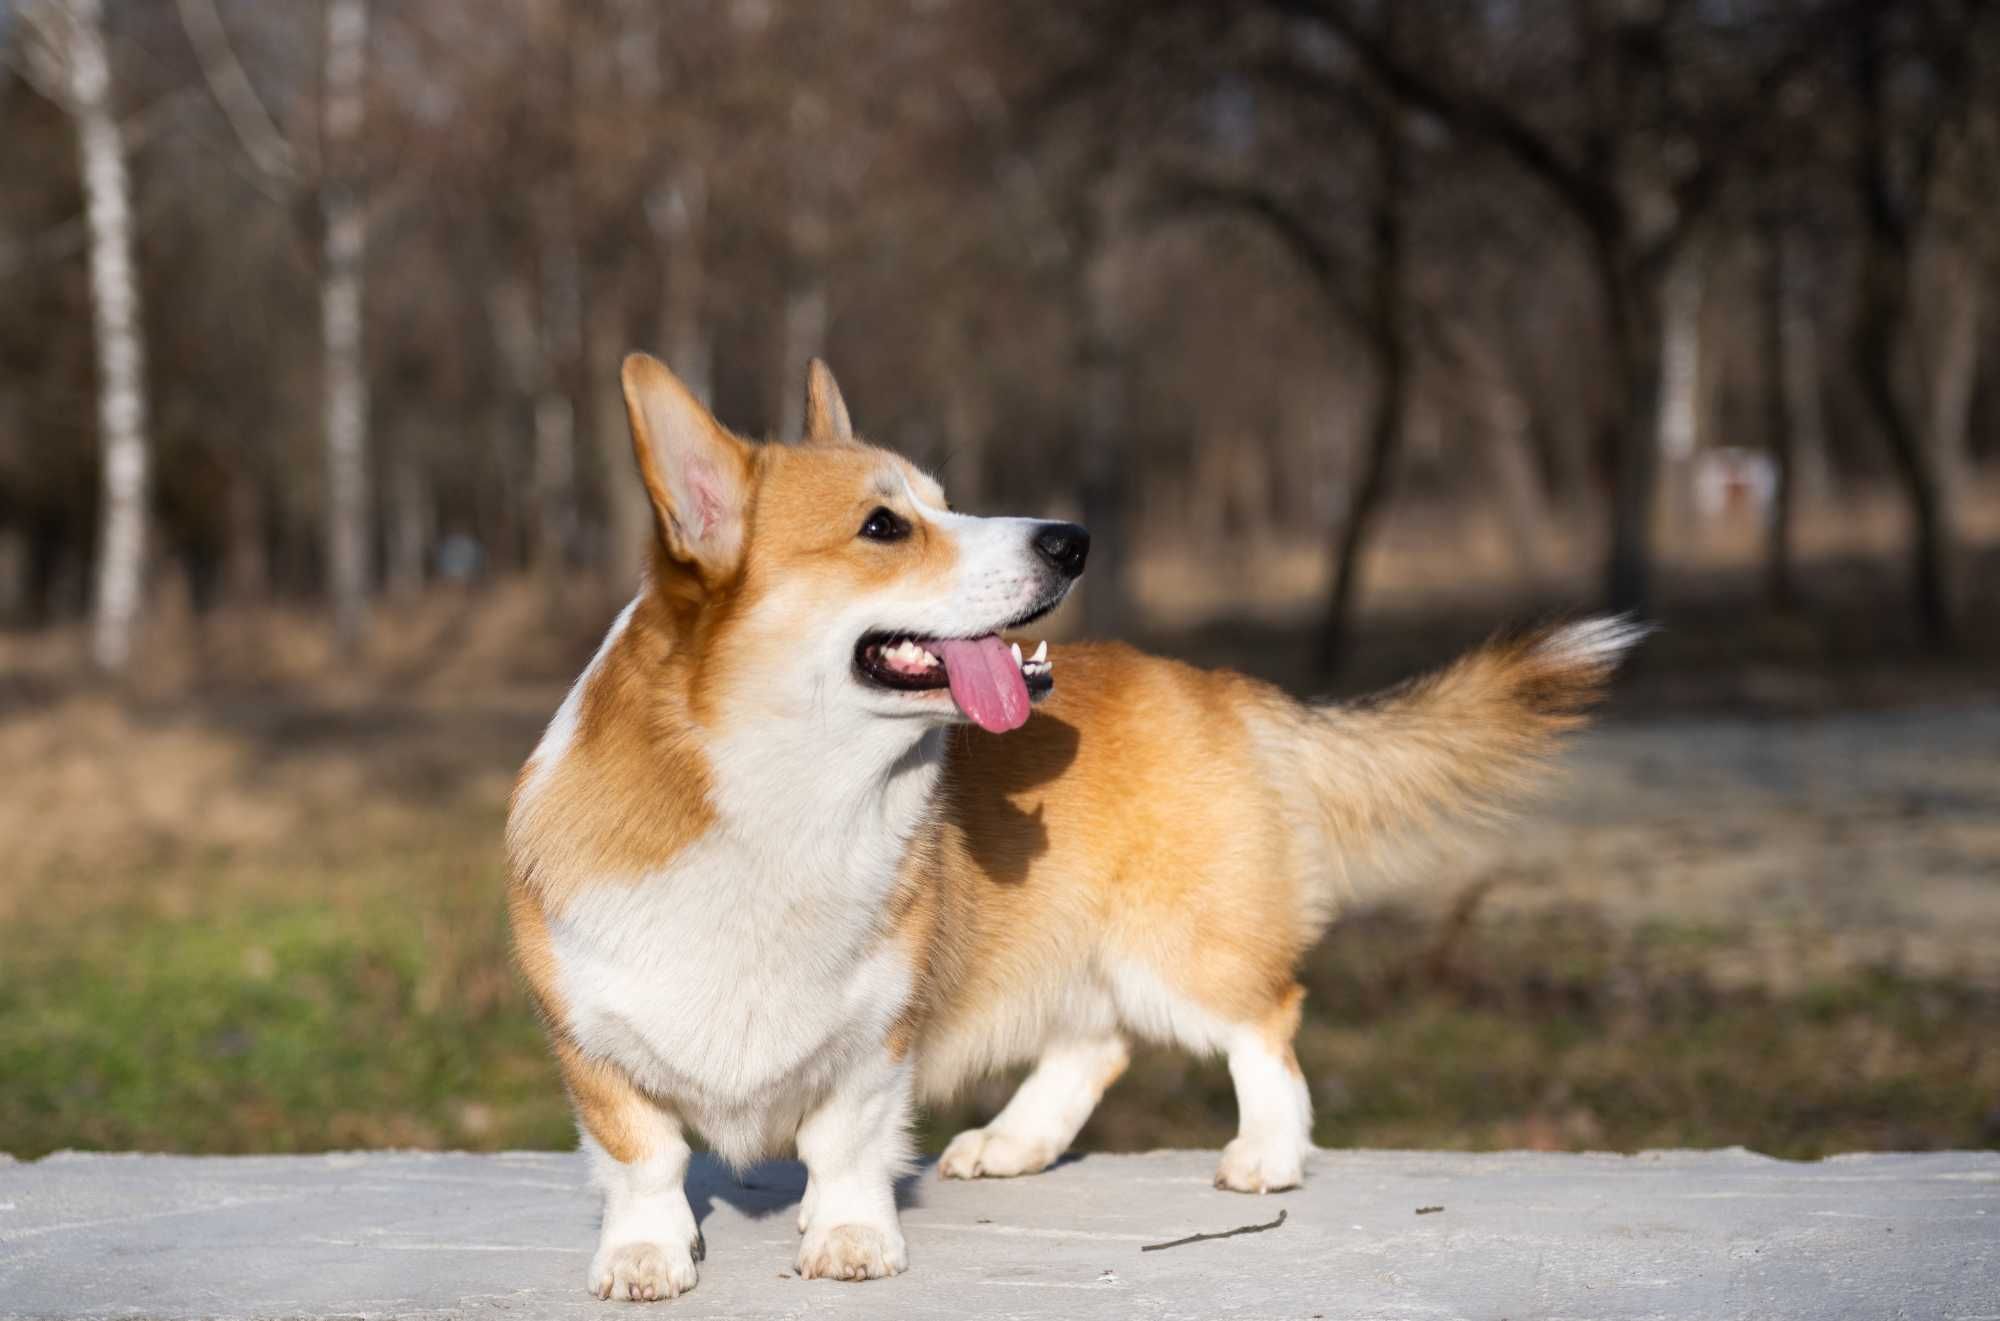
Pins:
<point x="741" y="990"/>
<point x="645" y="1250"/>
<point x="1600" y="642"/>
<point x="1155" y="1011"/>
<point x="1274" y="1119"/>
<point x="1044" y="1116"/>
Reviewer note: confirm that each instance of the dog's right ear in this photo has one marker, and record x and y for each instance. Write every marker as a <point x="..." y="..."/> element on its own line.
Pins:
<point x="697" y="474"/>
<point x="826" y="411"/>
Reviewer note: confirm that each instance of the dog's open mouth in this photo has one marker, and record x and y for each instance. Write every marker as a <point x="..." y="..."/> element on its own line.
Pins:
<point x="990" y="680"/>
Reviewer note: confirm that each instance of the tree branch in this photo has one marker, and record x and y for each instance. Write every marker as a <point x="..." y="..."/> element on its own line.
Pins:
<point x="262" y="141"/>
<point x="1191" y="195"/>
<point x="1469" y="115"/>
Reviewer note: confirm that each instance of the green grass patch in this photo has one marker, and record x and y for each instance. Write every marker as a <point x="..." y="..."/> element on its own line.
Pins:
<point x="215" y="1007"/>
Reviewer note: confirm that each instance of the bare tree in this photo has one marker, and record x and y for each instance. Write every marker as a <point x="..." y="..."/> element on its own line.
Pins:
<point x="1638" y="175"/>
<point x="802" y="329"/>
<point x="1385" y="316"/>
<point x="1372" y="292"/>
<point x="1895" y="157"/>
<point x="74" y="56"/>
<point x="343" y="256"/>
<point x="1779" y="426"/>
<point x="679" y="215"/>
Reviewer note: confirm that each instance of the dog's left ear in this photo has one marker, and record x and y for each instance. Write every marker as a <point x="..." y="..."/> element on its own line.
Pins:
<point x="696" y="473"/>
<point x="826" y="411"/>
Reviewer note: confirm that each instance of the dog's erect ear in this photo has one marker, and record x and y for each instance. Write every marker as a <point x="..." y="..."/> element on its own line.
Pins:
<point x="826" y="411"/>
<point x="696" y="473"/>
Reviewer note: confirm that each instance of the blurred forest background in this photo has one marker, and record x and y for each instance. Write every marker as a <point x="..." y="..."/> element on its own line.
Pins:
<point x="1351" y="328"/>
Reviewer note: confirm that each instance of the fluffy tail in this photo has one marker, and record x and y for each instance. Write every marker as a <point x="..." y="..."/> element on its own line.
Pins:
<point x="1460" y="744"/>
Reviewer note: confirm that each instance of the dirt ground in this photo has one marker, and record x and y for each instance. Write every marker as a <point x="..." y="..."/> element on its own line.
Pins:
<point x="1817" y="846"/>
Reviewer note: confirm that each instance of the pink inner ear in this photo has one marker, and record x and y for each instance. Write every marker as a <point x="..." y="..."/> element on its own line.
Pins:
<point x="707" y="503"/>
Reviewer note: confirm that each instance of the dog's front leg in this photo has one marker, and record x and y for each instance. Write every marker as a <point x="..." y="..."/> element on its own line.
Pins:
<point x="855" y="1145"/>
<point x="649" y="1244"/>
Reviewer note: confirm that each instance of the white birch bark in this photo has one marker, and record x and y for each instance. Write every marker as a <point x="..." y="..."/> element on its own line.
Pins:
<point x="1678" y="417"/>
<point x="346" y="381"/>
<point x="410" y="522"/>
<point x="1954" y="370"/>
<point x="78" y="28"/>
<point x="1680" y="362"/>
<point x="628" y="516"/>
<point x="1801" y="384"/>
<point x="561" y="335"/>
<point x="680" y="217"/>
<point x="802" y="333"/>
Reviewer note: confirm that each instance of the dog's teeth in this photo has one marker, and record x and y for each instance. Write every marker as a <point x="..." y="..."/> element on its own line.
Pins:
<point x="908" y="653"/>
<point x="1041" y="651"/>
<point x="1016" y="649"/>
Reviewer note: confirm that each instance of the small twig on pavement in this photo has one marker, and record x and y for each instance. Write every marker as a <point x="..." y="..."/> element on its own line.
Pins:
<point x="1203" y="1238"/>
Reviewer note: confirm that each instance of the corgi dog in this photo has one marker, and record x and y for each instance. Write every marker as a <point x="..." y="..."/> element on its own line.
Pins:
<point x="809" y="841"/>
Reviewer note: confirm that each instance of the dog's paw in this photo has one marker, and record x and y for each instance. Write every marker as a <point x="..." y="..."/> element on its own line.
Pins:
<point x="852" y="1252"/>
<point x="983" y="1153"/>
<point x="808" y="1204"/>
<point x="643" y="1272"/>
<point x="1254" y="1166"/>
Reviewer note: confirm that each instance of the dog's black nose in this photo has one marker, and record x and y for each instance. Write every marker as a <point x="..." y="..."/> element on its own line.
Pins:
<point x="1064" y="545"/>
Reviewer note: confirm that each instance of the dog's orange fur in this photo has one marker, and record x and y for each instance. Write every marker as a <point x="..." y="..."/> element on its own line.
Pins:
<point x="1140" y="815"/>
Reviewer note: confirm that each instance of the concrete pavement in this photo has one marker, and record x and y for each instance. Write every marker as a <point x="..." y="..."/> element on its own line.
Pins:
<point x="1674" y="1234"/>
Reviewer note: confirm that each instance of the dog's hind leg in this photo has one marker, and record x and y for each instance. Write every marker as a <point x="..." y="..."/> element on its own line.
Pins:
<point x="1274" y="1110"/>
<point x="1044" y="1116"/>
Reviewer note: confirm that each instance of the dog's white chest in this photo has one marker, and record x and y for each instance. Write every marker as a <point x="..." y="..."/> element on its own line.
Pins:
<point x="737" y="983"/>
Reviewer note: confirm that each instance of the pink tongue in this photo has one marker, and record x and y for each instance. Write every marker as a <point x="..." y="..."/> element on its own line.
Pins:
<point x="985" y="682"/>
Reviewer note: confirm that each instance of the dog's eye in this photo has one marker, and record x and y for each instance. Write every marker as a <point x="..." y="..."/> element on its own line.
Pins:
<point x="884" y="525"/>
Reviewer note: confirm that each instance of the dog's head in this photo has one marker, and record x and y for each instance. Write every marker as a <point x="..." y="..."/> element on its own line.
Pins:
<point x="832" y="578"/>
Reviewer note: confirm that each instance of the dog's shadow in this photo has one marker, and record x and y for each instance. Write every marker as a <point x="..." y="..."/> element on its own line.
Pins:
<point x="774" y="1187"/>
<point x="768" y="1188"/>
<point x="988" y="783"/>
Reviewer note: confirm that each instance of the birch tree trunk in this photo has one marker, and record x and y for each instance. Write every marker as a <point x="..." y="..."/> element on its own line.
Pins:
<point x="1680" y="380"/>
<point x="680" y="222"/>
<point x="628" y="516"/>
<point x="346" y="382"/>
<point x="561" y="336"/>
<point x="1955" y="370"/>
<point x="410" y="521"/>
<point x="968" y="420"/>
<point x="1105" y="493"/>
<point x="803" y="332"/>
<point x="120" y="337"/>
<point x="1780" y="588"/>
<point x="1801" y="381"/>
